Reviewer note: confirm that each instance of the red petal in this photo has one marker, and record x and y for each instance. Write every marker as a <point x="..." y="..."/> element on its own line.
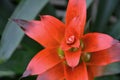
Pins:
<point x="75" y="22"/>
<point x="76" y="8"/>
<point x="43" y="61"/>
<point x="106" y="56"/>
<point x="48" y="31"/>
<point x="72" y="30"/>
<point x="77" y="73"/>
<point x="55" y="73"/>
<point x="90" y="76"/>
<point x="97" y="41"/>
<point x="94" y="71"/>
<point x="73" y="58"/>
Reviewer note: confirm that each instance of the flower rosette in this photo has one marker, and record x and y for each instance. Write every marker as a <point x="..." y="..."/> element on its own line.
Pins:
<point x="69" y="53"/>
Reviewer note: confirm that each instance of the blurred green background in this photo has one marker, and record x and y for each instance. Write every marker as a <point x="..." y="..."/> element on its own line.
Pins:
<point x="16" y="49"/>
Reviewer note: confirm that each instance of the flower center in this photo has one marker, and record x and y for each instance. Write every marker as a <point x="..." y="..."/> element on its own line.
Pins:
<point x="60" y="53"/>
<point x="70" y="40"/>
<point x="86" y="56"/>
<point x="81" y="44"/>
<point x="73" y="49"/>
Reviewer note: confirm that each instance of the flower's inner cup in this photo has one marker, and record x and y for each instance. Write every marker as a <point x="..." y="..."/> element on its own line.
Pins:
<point x="70" y="40"/>
<point x="85" y="56"/>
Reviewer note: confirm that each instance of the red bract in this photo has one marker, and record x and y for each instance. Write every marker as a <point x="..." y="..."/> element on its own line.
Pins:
<point x="69" y="54"/>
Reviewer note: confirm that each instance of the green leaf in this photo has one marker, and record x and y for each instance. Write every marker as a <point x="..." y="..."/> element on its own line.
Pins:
<point x="104" y="11"/>
<point x="12" y="35"/>
<point x="110" y="72"/>
<point x="89" y="3"/>
<point x="18" y="62"/>
<point x="6" y="73"/>
<point x="48" y="10"/>
<point x="110" y="77"/>
<point x="117" y="11"/>
<point x="114" y="30"/>
<point x="21" y="57"/>
<point x="6" y="9"/>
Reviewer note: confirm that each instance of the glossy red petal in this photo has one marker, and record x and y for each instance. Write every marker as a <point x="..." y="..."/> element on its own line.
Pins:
<point x="49" y="31"/>
<point x="97" y="41"/>
<point x="77" y="73"/>
<point x="76" y="8"/>
<point x="55" y="73"/>
<point x="106" y="56"/>
<point x="73" y="57"/>
<point x="43" y="61"/>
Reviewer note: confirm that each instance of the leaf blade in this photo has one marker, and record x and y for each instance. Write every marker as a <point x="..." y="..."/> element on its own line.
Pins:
<point x="8" y="44"/>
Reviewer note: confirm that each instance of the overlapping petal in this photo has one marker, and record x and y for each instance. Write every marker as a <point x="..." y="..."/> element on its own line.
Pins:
<point x="105" y="57"/>
<point x="71" y="31"/>
<point x="76" y="15"/>
<point x="43" y="61"/>
<point x="55" y="27"/>
<point x="48" y="31"/>
<point x="76" y="8"/>
<point x="55" y="73"/>
<point x="77" y="73"/>
<point x="97" y="41"/>
<point x="73" y="58"/>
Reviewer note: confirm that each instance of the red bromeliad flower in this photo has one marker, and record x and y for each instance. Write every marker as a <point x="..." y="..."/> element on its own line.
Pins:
<point x="69" y="54"/>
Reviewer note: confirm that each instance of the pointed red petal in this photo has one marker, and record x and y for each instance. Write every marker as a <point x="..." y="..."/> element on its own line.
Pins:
<point x="43" y="61"/>
<point x="73" y="58"/>
<point x="55" y="73"/>
<point x="106" y="56"/>
<point x="76" y="8"/>
<point x="48" y="31"/>
<point x="97" y="41"/>
<point x="77" y="73"/>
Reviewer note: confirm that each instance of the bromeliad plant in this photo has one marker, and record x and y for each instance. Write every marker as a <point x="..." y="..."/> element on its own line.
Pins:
<point x="69" y="54"/>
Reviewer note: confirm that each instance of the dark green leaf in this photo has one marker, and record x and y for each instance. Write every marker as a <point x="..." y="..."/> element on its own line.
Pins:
<point x="104" y="11"/>
<point x="6" y="9"/>
<point x="21" y="57"/>
<point x="48" y="10"/>
<point x="117" y="10"/>
<point x="114" y="30"/>
<point x="110" y="77"/>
